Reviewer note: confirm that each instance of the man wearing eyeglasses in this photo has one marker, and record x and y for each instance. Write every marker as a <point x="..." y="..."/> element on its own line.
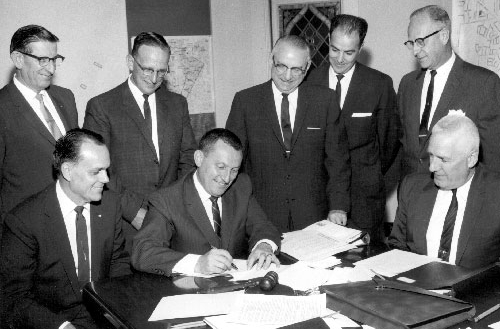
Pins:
<point x="444" y="83"/>
<point x="33" y="115"/>
<point x="295" y="143"/>
<point x="368" y="103"/>
<point x="146" y="127"/>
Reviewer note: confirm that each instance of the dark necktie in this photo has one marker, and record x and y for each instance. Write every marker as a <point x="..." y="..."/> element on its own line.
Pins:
<point x="147" y="116"/>
<point x="449" y="225"/>
<point x="216" y="215"/>
<point x="53" y="128"/>
<point x="338" y="88"/>
<point x="423" y="131"/>
<point x="82" y="247"/>
<point x="286" y="126"/>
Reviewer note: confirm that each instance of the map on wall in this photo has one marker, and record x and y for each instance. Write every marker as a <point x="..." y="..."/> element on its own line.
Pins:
<point x="191" y="73"/>
<point x="476" y="26"/>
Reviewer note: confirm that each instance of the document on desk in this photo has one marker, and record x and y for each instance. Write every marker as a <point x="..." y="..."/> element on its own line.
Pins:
<point x="319" y="240"/>
<point x="276" y="309"/>
<point x="194" y="305"/>
<point x="394" y="262"/>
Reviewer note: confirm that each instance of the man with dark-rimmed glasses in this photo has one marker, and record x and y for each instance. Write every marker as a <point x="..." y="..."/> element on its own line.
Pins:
<point x="146" y="127"/>
<point x="33" y="115"/>
<point x="444" y="83"/>
<point x="295" y="143"/>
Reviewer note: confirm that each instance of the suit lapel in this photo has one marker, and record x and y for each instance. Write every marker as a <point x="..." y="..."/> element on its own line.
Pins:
<point x="268" y="109"/>
<point x="471" y="214"/>
<point x="425" y="207"/>
<point x="134" y="112"/>
<point x="300" y="114"/>
<point x="97" y="244"/>
<point x="197" y="212"/>
<point x="350" y="98"/>
<point x="414" y="103"/>
<point x="59" y="106"/>
<point x="60" y="237"/>
<point x="29" y="114"/>
<point x="228" y="201"/>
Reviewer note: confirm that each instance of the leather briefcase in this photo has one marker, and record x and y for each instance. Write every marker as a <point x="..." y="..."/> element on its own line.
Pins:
<point x="385" y="304"/>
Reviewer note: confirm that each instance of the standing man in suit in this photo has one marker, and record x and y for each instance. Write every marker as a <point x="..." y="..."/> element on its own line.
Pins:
<point x="61" y="238"/>
<point x="295" y="142"/>
<point x="207" y="217"/>
<point x="368" y="103"/>
<point x="444" y="83"/>
<point x="453" y="213"/>
<point x="33" y="115"/>
<point x="145" y="126"/>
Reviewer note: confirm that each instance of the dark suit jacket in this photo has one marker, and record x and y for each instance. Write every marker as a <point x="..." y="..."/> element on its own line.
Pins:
<point x="26" y="145"/>
<point x="470" y="88"/>
<point x="315" y="178"/>
<point x="373" y="139"/>
<point x="177" y="224"/>
<point x="37" y="269"/>
<point x="116" y="116"/>
<point x="479" y="241"/>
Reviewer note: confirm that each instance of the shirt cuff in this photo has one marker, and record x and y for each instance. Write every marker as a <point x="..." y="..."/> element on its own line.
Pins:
<point x="270" y="242"/>
<point x="139" y="218"/>
<point x="186" y="265"/>
<point x="64" y="324"/>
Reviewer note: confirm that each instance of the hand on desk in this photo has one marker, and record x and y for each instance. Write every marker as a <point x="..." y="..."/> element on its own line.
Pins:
<point x="262" y="256"/>
<point x="213" y="262"/>
<point x="338" y="217"/>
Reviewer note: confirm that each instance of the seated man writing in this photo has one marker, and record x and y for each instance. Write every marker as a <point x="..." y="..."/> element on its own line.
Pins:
<point x="454" y="212"/>
<point x="207" y="217"/>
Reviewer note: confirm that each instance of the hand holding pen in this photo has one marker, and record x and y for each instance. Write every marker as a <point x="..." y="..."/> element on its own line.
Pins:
<point x="215" y="261"/>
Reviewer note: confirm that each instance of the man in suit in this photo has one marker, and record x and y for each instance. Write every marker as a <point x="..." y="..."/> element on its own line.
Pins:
<point x="444" y="83"/>
<point x="145" y="126"/>
<point x="295" y="142"/>
<point x="453" y="213"/>
<point x="207" y="217"/>
<point x="33" y="115"/>
<point x="368" y="103"/>
<point x="61" y="238"/>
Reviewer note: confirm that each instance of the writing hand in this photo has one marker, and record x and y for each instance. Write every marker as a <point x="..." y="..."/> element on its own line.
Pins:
<point x="214" y="262"/>
<point x="262" y="256"/>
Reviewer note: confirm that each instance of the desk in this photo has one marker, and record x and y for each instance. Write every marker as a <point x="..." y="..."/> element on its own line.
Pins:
<point x="130" y="300"/>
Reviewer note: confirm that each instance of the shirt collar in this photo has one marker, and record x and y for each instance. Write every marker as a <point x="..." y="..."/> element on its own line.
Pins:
<point x="204" y="195"/>
<point x="67" y="205"/>
<point x="137" y="93"/>
<point x="445" y="69"/>
<point x="278" y="94"/>
<point x="347" y="75"/>
<point x="27" y="92"/>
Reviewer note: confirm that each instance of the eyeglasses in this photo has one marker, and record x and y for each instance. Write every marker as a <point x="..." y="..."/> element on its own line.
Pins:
<point x="149" y="72"/>
<point x="419" y="41"/>
<point x="282" y="68"/>
<point x="44" y="61"/>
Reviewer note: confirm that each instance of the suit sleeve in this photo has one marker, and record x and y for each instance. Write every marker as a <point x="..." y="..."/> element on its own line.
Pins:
<point x="388" y="125"/>
<point x="397" y="239"/>
<point x="97" y="121"/>
<point x="337" y="160"/>
<point x="151" y="248"/>
<point x="18" y="262"/>
<point x="188" y="144"/>
<point x="236" y="123"/>
<point x="120" y="260"/>
<point x="488" y="123"/>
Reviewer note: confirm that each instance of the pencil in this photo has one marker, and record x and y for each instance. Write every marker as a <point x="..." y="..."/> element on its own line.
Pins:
<point x="486" y="313"/>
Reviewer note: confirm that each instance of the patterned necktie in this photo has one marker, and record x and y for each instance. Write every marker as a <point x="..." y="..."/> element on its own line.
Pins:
<point x="216" y="215"/>
<point x="449" y="225"/>
<point x="82" y="247"/>
<point x="53" y="128"/>
<point x="338" y="88"/>
<point x="147" y="116"/>
<point x="423" y="131"/>
<point x="286" y="126"/>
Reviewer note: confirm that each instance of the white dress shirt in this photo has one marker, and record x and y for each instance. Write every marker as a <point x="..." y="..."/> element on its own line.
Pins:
<point x="436" y="223"/>
<point x="440" y="79"/>
<point x="344" y="83"/>
<point x="139" y="98"/>
<point x="30" y="95"/>
<point x="292" y="108"/>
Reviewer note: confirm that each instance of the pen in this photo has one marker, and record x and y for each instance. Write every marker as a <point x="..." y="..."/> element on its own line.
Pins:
<point x="486" y="313"/>
<point x="232" y="264"/>
<point x="377" y="275"/>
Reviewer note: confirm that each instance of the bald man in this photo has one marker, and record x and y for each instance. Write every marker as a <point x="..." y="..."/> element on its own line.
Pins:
<point x="453" y="212"/>
<point x="295" y="142"/>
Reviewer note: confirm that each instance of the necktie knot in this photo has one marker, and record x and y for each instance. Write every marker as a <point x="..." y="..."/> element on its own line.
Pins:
<point x="213" y="199"/>
<point x="39" y="97"/>
<point x="145" y="97"/>
<point x="284" y="95"/>
<point x="340" y="77"/>
<point x="79" y="210"/>
<point x="433" y="73"/>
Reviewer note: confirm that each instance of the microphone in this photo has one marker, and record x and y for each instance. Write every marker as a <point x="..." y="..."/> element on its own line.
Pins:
<point x="269" y="281"/>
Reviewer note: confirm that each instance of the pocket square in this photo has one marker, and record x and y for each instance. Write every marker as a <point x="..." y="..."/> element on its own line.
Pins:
<point x="361" y="115"/>
<point x="314" y="128"/>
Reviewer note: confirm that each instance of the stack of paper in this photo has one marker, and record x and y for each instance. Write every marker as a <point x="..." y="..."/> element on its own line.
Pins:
<point x="319" y="241"/>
